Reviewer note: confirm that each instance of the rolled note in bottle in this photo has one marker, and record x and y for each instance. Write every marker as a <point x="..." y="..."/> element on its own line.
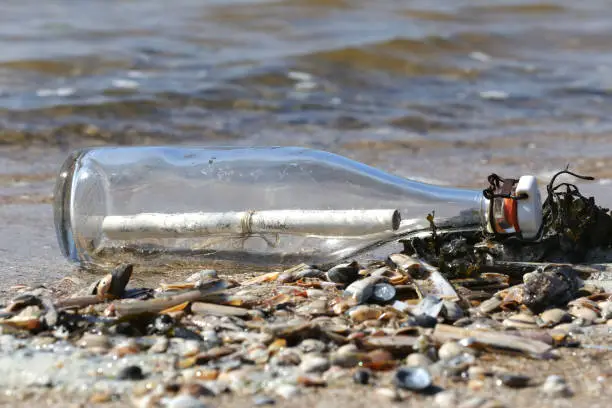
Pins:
<point x="305" y="222"/>
<point x="265" y="205"/>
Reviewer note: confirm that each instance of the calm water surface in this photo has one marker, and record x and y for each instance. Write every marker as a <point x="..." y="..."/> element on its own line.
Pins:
<point x="437" y="90"/>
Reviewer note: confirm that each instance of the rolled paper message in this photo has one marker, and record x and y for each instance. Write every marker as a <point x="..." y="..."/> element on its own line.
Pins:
<point x="306" y="222"/>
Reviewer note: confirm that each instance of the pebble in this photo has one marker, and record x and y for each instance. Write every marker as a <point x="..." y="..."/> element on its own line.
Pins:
<point x="446" y="399"/>
<point x="450" y="350"/>
<point x="362" y="376"/>
<point x="314" y="364"/>
<point x="185" y="401"/>
<point x="555" y="387"/>
<point x="96" y="342"/>
<point x="474" y="402"/>
<point x="197" y="390"/>
<point x="132" y="373"/>
<point x="287" y="391"/>
<point x="476" y="373"/>
<point x="312" y="345"/>
<point x="513" y="380"/>
<point x="606" y="310"/>
<point x="263" y="400"/>
<point x="160" y="345"/>
<point x="418" y="360"/>
<point x="383" y="293"/>
<point x="412" y="378"/>
<point x="451" y="311"/>
<point x="390" y="393"/>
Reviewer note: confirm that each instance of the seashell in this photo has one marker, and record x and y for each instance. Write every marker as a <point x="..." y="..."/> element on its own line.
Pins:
<point x="490" y="305"/>
<point x="553" y="317"/>
<point x="520" y="321"/>
<point x="412" y="378"/>
<point x="429" y="306"/>
<point x="345" y="273"/>
<point x="588" y="315"/>
<point x="362" y="289"/>
<point x="314" y="363"/>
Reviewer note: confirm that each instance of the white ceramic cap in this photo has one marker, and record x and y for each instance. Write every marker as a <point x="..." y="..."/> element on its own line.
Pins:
<point x="529" y="210"/>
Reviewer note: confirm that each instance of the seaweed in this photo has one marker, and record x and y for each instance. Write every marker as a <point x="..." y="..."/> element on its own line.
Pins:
<point x="572" y="226"/>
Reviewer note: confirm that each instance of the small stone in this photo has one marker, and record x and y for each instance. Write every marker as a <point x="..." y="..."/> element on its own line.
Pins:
<point x="312" y="345"/>
<point x="513" y="380"/>
<point x="606" y="310"/>
<point x="197" y="390"/>
<point x="422" y="320"/>
<point x="160" y="345"/>
<point x="555" y="387"/>
<point x="202" y="276"/>
<point x="383" y="293"/>
<point x="259" y="400"/>
<point x="412" y="378"/>
<point x="287" y="391"/>
<point x="190" y="348"/>
<point x="418" y="360"/>
<point x="185" y="401"/>
<point x="476" y="373"/>
<point x="314" y="364"/>
<point x="451" y="311"/>
<point x="446" y="399"/>
<point x="163" y="323"/>
<point x="96" y="342"/>
<point x="390" y="393"/>
<point x="450" y="350"/>
<point x="361" y="377"/>
<point x="474" y="402"/>
<point x="100" y="397"/>
<point x="132" y="373"/>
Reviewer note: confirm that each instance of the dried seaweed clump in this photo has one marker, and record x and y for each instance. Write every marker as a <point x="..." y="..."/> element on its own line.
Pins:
<point x="573" y="223"/>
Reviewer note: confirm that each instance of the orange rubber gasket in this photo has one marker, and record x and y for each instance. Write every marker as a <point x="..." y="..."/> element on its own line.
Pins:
<point x="510" y="213"/>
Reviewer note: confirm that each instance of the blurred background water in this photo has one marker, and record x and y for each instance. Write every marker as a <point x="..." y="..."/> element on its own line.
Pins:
<point x="439" y="90"/>
<point x="421" y="87"/>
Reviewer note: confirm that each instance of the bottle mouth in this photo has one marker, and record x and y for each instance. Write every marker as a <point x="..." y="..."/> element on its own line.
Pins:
<point x="62" y="199"/>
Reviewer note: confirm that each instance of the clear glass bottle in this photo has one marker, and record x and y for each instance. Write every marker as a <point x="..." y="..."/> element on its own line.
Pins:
<point x="263" y="205"/>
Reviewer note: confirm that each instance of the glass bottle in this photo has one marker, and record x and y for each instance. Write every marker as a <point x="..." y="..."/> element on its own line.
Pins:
<point x="259" y="205"/>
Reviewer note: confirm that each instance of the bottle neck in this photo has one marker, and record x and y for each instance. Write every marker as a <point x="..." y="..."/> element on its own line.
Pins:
<point x="464" y="206"/>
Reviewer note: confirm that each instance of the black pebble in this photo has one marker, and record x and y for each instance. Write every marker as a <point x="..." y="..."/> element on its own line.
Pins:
<point x="423" y="320"/>
<point x="132" y="373"/>
<point x="361" y="377"/>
